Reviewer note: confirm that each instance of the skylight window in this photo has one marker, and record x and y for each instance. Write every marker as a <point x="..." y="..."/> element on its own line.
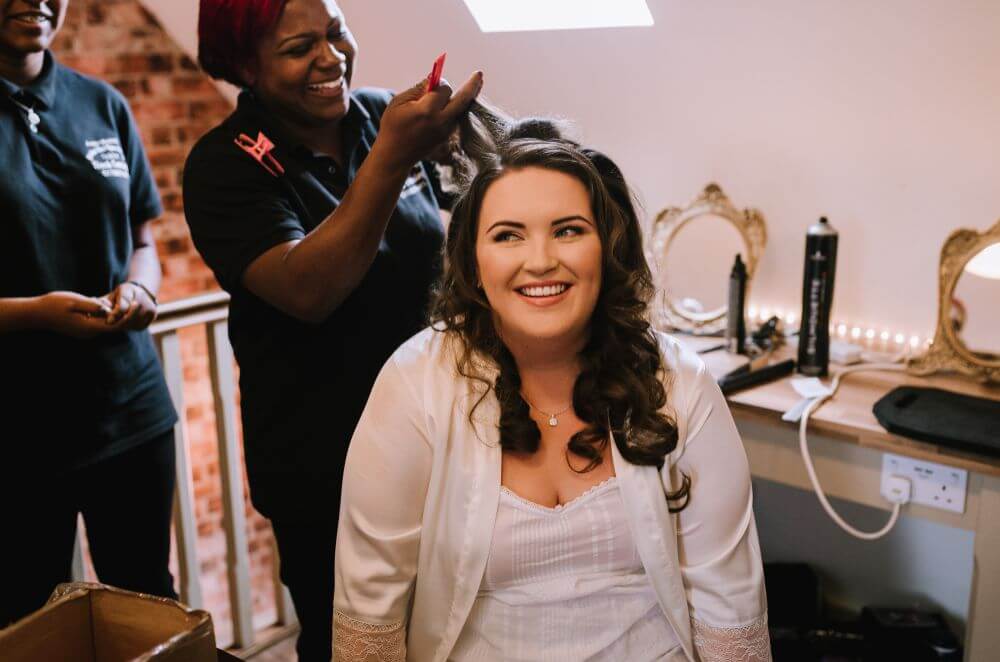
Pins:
<point x="524" y="15"/>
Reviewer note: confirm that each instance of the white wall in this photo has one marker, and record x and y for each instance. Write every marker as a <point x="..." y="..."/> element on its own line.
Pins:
<point x="883" y="116"/>
<point x="921" y="564"/>
<point x="180" y="19"/>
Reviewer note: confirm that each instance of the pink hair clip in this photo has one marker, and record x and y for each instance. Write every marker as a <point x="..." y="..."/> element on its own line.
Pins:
<point x="260" y="150"/>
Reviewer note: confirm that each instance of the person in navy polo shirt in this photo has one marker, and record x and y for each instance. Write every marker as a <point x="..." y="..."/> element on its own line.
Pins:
<point x="313" y="207"/>
<point x="86" y="417"/>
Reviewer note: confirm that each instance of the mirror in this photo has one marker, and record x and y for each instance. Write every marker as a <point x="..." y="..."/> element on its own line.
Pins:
<point x="691" y="253"/>
<point x="967" y="340"/>
<point x="976" y="299"/>
<point x="701" y="256"/>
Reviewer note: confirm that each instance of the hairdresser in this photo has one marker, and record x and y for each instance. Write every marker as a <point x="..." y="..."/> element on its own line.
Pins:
<point x="314" y="209"/>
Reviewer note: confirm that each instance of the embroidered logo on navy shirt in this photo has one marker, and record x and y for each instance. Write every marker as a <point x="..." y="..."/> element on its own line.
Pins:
<point x="107" y="157"/>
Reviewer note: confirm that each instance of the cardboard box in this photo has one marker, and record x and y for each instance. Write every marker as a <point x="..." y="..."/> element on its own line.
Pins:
<point x="86" y="622"/>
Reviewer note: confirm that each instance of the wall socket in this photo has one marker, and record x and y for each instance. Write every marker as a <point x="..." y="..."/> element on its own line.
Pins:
<point x="934" y="485"/>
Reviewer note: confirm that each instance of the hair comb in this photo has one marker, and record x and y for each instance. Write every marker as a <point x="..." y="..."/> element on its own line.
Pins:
<point x="434" y="79"/>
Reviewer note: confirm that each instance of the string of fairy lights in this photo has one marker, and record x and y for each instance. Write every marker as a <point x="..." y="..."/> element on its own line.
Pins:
<point x="869" y="336"/>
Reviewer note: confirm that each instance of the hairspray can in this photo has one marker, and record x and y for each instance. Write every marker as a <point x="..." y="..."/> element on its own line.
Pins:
<point x="817" y="297"/>
<point x="736" y="330"/>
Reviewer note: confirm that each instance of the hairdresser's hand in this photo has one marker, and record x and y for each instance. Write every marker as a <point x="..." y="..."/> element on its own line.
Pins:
<point x="70" y="314"/>
<point x="417" y="121"/>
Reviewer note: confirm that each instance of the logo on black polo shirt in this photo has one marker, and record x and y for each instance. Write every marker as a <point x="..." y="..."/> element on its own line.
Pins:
<point x="107" y="157"/>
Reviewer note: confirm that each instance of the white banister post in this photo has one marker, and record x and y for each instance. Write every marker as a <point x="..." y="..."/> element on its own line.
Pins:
<point x="282" y="598"/>
<point x="220" y="355"/>
<point x="76" y="570"/>
<point x="185" y="526"/>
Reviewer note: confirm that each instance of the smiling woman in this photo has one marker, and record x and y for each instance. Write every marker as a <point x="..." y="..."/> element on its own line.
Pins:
<point x="313" y="206"/>
<point x="541" y="272"/>
<point x="29" y="28"/>
<point x="539" y="475"/>
<point x="297" y="56"/>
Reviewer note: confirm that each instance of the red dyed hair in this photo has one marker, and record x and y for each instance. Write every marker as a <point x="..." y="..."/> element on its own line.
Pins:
<point x="228" y="32"/>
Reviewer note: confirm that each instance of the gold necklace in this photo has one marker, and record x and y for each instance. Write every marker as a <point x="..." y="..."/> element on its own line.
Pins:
<point x="33" y="117"/>
<point x="553" y="418"/>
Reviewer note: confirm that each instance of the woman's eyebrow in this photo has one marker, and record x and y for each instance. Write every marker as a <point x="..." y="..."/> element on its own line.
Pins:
<point x="574" y="217"/>
<point x="512" y="224"/>
<point x="305" y="35"/>
<point x="301" y="35"/>
<point x="559" y="221"/>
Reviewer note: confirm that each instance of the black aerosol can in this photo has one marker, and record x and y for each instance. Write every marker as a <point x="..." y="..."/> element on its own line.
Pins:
<point x="736" y="329"/>
<point x="817" y="297"/>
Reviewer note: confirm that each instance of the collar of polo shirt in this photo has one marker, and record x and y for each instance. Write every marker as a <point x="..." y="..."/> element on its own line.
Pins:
<point x="41" y="91"/>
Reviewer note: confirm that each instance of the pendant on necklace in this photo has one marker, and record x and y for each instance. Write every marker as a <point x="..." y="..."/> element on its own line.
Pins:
<point x="33" y="120"/>
<point x="553" y="421"/>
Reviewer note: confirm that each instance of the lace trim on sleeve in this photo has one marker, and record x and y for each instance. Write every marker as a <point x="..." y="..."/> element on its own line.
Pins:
<point x="746" y="643"/>
<point x="358" y="641"/>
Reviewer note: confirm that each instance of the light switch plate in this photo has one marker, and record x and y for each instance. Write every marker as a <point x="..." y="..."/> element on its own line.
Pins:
<point x="934" y="485"/>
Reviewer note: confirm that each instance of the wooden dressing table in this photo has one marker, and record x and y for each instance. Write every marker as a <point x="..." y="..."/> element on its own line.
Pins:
<point x="847" y="442"/>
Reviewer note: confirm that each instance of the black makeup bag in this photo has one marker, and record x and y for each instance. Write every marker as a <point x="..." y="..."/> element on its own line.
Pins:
<point x="944" y="418"/>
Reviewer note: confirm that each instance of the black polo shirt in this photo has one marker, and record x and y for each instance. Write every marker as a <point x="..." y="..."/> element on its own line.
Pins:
<point x="69" y="196"/>
<point x="303" y="386"/>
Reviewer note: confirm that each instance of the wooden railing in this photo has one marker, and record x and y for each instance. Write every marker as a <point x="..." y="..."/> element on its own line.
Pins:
<point x="211" y="311"/>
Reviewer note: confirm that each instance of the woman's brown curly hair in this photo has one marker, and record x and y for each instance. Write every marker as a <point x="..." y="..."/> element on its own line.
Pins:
<point x="621" y="381"/>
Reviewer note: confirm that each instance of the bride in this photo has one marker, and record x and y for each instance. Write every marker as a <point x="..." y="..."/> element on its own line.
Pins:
<point x="540" y="476"/>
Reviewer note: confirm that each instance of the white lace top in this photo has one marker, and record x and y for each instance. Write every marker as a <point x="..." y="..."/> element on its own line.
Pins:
<point x="564" y="584"/>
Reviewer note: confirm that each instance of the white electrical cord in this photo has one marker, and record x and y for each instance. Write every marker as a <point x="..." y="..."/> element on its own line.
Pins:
<point x="903" y="495"/>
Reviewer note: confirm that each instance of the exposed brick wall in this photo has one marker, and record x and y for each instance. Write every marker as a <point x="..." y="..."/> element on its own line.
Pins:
<point x="174" y="104"/>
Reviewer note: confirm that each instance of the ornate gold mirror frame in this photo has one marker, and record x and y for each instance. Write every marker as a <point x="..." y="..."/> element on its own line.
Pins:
<point x="947" y="352"/>
<point x="668" y="313"/>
